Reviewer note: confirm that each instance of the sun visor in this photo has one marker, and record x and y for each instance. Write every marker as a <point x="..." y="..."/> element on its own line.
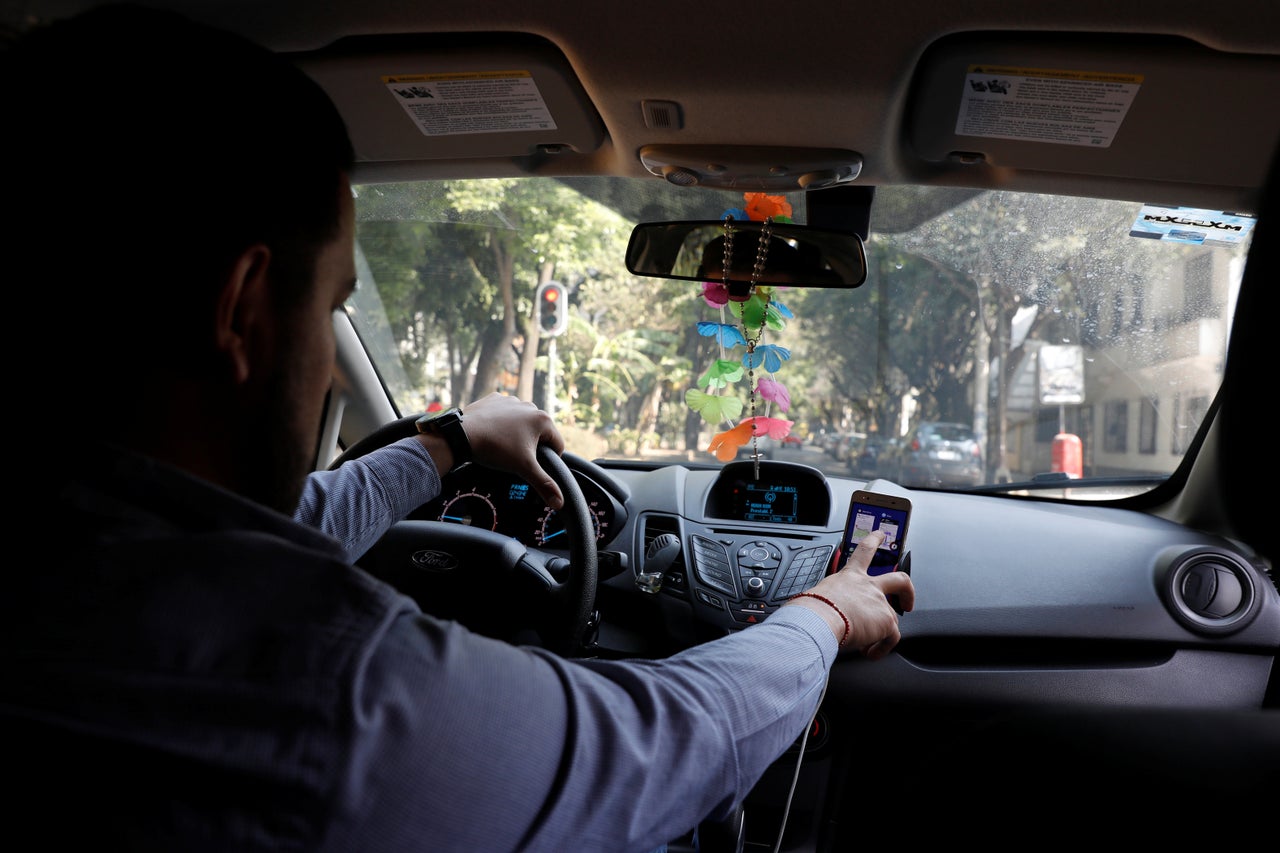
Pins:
<point x="456" y="96"/>
<point x="1092" y="104"/>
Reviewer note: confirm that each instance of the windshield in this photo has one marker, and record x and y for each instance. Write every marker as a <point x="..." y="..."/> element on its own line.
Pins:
<point x="998" y="337"/>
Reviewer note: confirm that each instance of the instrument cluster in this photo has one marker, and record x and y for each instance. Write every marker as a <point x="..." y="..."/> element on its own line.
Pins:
<point x="493" y="500"/>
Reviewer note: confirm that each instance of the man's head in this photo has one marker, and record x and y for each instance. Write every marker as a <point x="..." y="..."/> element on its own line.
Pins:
<point x="783" y="262"/>
<point x="175" y="189"/>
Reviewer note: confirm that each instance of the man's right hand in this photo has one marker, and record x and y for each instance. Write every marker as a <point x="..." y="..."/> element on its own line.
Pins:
<point x="504" y="434"/>
<point x="873" y="624"/>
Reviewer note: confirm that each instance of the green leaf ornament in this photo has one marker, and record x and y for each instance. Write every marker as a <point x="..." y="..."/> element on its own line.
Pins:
<point x="721" y="374"/>
<point x="713" y="408"/>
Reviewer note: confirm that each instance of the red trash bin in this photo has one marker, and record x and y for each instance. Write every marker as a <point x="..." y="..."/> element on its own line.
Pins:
<point x="1068" y="454"/>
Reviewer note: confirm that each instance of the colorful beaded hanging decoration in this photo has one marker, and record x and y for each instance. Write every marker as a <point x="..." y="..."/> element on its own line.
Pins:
<point x="757" y="311"/>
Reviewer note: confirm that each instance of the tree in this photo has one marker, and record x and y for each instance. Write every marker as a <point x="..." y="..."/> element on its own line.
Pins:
<point x="869" y="358"/>
<point x="473" y="255"/>
<point x="1028" y="263"/>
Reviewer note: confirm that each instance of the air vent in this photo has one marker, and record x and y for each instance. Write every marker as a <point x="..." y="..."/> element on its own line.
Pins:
<point x="1210" y="591"/>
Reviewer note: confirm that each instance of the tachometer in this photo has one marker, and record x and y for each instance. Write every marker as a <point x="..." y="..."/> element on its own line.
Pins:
<point x="550" y="530"/>
<point x="472" y="509"/>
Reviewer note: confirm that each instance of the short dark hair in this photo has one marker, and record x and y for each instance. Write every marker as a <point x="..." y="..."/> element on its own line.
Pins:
<point x="147" y="152"/>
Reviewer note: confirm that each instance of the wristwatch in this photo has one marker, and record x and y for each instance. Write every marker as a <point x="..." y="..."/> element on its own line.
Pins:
<point x="448" y="425"/>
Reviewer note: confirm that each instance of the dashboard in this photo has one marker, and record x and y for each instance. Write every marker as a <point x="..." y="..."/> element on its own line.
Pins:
<point x="1032" y="599"/>
<point x="1094" y="621"/>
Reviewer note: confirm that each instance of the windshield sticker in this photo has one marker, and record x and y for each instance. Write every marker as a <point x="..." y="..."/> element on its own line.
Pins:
<point x="471" y="102"/>
<point x="1191" y="225"/>
<point x="1045" y="105"/>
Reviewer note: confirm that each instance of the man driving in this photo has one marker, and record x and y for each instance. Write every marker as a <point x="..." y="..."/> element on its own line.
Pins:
<point x="196" y="663"/>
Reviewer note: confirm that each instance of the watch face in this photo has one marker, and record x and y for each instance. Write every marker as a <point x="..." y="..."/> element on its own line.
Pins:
<point x="448" y="424"/>
<point x="447" y="417"/>
<point x="434" y="421"/>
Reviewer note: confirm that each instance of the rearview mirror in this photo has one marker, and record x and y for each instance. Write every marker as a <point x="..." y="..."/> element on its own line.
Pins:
<point x="794" y="255"/>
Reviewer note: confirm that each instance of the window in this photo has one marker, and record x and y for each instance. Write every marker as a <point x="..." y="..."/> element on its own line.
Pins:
<point x="1186" y="426"/>
<point x="1148" y="415"/>
<point x="1117" y="315"/>
<point x="1046" y="424"/>
<point x="1197" y="288"/>
<point x="1177" y="439"/>
<point x="1197" y="408"/>
<point x="1115" y="438"/>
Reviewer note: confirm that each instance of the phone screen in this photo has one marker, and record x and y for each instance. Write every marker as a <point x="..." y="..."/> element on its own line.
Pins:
<point x="866" y="516"/>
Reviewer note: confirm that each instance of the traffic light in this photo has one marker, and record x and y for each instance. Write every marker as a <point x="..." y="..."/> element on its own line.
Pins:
<point x="553" y="308"/>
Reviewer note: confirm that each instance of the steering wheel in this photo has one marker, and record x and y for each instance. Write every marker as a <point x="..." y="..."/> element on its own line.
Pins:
<point x="453" y="570"/>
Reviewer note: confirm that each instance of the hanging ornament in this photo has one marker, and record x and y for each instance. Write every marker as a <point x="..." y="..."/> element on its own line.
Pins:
<point x="744" y="317"/>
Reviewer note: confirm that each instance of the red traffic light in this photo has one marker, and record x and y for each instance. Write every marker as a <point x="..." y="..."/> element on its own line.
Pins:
<point x="551" y="316"/>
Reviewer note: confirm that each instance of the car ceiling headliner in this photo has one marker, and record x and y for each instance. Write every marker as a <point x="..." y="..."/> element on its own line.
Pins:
<point x="826" y="74"/>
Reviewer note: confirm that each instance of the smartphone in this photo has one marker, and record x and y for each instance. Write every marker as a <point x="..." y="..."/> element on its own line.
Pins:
<point x="870" y="511"/>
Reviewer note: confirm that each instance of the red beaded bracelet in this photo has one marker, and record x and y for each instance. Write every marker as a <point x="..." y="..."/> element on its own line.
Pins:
<point x="832" y="605"/>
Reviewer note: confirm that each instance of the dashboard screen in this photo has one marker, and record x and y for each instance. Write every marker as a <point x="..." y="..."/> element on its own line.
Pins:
<point x="776" y="502"/>
<point x="784" y="493"/>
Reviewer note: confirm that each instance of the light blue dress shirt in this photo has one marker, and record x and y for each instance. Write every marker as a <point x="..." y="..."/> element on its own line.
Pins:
<point x="263" y="694"/>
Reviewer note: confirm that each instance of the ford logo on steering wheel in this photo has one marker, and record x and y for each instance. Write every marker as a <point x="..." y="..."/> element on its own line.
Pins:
<point x="434" y="561"/>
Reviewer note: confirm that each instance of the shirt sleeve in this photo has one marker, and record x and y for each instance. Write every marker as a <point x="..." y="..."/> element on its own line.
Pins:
<point x="359" y="501"/>
<point x="481" y="745"/>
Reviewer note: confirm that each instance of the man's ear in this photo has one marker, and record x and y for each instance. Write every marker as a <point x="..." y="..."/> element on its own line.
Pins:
<point x="244" y="311"/>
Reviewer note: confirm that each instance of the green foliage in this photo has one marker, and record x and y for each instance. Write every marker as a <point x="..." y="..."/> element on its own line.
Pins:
<point x="458" y="264"/>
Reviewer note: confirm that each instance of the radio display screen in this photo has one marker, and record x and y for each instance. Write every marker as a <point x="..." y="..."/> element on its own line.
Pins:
<point x="769" y="502"/>
<point x="784" y="493"/>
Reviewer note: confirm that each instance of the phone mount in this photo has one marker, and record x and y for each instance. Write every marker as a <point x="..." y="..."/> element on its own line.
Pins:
<point x="904" y="566"/>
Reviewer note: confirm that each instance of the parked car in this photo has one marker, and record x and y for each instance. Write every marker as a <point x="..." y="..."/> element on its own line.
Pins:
<point x="938" y="454"/>
<point x="843" y="443"/>
<point x="869" y="460"/>
<point x="1066" y="226"/>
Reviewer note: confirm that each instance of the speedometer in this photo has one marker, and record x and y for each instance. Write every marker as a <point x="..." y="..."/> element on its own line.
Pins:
<point x="472" y="509"/>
